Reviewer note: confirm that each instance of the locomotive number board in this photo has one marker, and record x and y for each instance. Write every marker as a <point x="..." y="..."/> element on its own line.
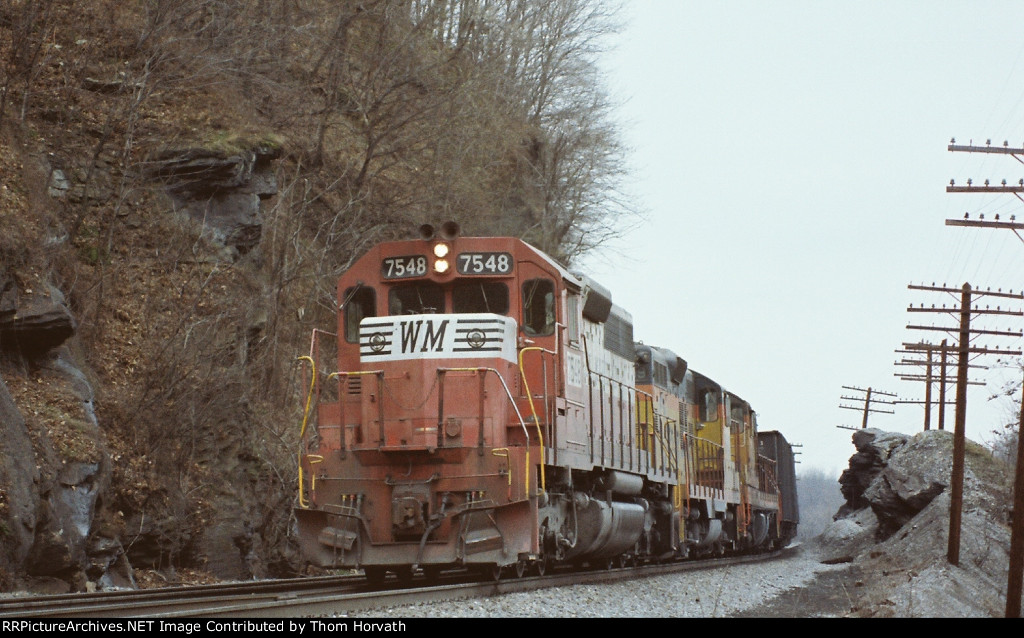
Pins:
<point x="401" y="267"/>
<point x="484" y="263"/>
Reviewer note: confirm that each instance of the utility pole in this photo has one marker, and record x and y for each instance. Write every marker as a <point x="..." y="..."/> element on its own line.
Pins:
<point x="964" y="350"/>
<point x="953" y="553"/>
<point x="1016" y="578"/>
<point x="929" y="377"/>
<point x="869" y="396"/>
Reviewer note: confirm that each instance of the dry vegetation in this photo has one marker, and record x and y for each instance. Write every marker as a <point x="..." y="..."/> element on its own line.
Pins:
<point x="385" y="114"/>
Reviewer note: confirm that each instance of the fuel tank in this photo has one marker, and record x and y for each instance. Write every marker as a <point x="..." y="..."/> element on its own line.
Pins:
<point x="606" y="529"/>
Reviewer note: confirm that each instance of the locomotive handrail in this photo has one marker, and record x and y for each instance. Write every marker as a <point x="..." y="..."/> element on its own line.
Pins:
<point x="627" y="418"/>
<point x="700" y="473"/>
<point x="519" y="415"/>
<point x="533" y="409"/>
<point x="305" y="418"/>
<point x="309" y="397"/>
<point x="503" y="451"/>
<point x="313" y="458"/>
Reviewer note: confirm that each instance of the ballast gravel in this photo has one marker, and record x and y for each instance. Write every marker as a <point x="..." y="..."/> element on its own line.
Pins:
<point x="718" y="593"/>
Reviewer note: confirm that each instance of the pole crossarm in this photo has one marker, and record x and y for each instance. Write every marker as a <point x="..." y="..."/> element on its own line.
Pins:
<point x="872" y="390"/>
<point x="1000" y="188"/>
<point x="918" y="362"/>
<point x="861" y="409"/>
<point x="1000" y="333"/>
<point x="1005" y="149"/>
<point x="985" y="223"/>
<point x="1009" y="294"/>
<point x="873" y="400"/>
<point x="921" y="377"/>
<point x="978" y="311"/>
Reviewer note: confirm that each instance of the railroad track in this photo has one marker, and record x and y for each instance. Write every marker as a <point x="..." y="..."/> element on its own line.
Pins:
<point x="322" y="596"/>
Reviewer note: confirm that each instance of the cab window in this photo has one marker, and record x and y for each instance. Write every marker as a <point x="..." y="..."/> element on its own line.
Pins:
<point x="480" y="296"/>
<point x="360" y="303"/>
<point x="422" y="298"/>
<point x="539" y="307"/>
<point x="572" y="320"/>
<point x="709" y="406"/>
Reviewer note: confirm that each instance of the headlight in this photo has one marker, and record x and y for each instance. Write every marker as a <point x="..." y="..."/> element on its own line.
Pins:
<point x="441" y="266"/>
<point x="440" y="250"/>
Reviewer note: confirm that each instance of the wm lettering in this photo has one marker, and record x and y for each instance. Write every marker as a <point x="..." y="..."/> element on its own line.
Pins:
<point x="412" y="330"/>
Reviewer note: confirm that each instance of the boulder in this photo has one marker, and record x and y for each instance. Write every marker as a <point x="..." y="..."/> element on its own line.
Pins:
<point x="874" y="447"/>
<point x="895" y="475"/>
<point x="40" y="323"/>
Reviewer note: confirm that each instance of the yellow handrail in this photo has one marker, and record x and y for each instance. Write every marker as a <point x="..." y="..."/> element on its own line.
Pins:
<point x="313" y="459"/>
<point x="309" y="397"/>
<point x="302" y="502"/>
<point x="533" y="409"/>
<point x="305" y="418"/>
<point x="503" y="451"/>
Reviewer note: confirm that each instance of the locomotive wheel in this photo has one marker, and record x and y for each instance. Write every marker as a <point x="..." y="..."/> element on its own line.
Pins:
<point x="490" y="572"/>
<point x="541" y="566"/>
<point x="375" y="575"/>
<point x="520" y="568"/>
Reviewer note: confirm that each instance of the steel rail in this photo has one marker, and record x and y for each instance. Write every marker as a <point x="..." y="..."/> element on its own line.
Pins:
<point x="325" y="596"/>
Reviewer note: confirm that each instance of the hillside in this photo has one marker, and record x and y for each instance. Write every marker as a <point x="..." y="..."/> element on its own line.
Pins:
<point x="180" y="186"/>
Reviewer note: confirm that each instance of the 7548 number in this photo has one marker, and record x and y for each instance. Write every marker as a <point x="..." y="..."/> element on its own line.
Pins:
<point x="399" y="267"/>
<point x="484" y="263"/>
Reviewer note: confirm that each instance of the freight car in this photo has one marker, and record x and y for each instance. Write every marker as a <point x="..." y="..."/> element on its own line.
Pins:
<point x="482" y="407"/>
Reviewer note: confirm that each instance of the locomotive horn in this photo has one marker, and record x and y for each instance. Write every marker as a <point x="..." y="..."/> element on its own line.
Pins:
<point x="449" y="230"/>
<point x="426" y="232"/>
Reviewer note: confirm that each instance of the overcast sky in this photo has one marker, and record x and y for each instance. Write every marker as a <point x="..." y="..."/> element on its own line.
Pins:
<point x="792" y="159"/>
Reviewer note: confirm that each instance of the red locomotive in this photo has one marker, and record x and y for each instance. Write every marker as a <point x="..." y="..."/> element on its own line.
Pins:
<point x="490" y="409"/>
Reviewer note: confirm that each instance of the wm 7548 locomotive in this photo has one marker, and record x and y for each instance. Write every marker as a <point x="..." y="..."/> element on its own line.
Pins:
<point x="481" y="406"/>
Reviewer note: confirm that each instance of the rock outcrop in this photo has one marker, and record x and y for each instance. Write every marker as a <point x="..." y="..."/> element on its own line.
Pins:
<point x="58" y="528"/>
<point x="895" y="475"/>
<point x="32" y="322"/>
<point x="221" y="191"/>
<point x="894" y="527"/>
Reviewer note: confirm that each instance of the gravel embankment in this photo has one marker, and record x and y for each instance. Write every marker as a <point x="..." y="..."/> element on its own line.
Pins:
<point x="719" y="593"/>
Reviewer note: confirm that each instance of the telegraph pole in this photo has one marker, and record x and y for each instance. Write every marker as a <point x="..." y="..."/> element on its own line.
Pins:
<point x="953" y="554"/>
<point x="964" y="350"/>
<point x="929" y="377"/>
<point x="1016" y="578"/>
<point x="869" y="396"/>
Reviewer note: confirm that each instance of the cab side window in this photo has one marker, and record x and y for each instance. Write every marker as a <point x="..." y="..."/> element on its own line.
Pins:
<point x="362" y="302"/>
<point x="539" y="307"/>
<point x="709" y="406"/>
